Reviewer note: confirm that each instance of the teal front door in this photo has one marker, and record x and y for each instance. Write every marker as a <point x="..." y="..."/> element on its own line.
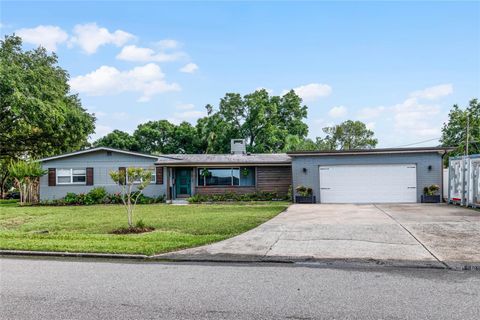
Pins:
<point x="183" y="183"/>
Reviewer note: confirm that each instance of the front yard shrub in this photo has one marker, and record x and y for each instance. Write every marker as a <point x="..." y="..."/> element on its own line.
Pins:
<point x="98" y="196"/>
<point x="71" y="198"/>
<point x="230" y="196"/>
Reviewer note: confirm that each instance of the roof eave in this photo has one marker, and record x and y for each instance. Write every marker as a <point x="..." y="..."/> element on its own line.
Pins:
<point x="72" y="154"/>
<point x="440" y="150"/>
<point x="223" y="164"/>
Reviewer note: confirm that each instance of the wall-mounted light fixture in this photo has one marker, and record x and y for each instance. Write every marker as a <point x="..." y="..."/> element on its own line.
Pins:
<point x="304" y="170"/>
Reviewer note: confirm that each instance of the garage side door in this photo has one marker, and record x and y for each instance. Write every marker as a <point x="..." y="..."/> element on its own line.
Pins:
<point x="368" y="183"/>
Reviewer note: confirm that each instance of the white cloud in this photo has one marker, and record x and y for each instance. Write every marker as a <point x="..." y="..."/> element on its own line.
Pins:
<point x="90" y="37"/>
<point x="100" y="131"/>
<point x="149" y="80"/>
<point x="414" y="119"/>
<point x="185" y="106"/>
<point x="189" y="116"/>
<point x="139" y="54"/>
<point x="189" y="68"/>
<point x="337" y="112"/>
<point x="168" y="44"/>
<point x="434" y="92"/>
<point x="46" y="36"/>
<point x="313" y="91"/>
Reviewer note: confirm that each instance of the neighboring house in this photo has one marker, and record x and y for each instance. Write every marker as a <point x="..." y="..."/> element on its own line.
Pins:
<point x="354" y="176"/>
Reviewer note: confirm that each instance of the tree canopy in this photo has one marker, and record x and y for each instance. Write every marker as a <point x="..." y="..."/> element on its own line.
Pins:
<point x="262" y="120"/>
<point x="348" y="135"/>
<point x="119" y="140"/>
<point x="267" y="123"/>
<point x="38" y="115"/>
<point x="454" y="132"/>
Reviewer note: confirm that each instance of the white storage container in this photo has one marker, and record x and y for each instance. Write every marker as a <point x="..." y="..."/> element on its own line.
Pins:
<point x="456" y="180"/>
<point x="464" y="180"/>
<point x="473" y="181"/>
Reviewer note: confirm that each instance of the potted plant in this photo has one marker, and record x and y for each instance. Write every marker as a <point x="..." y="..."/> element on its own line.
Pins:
<point x="304" y="195"/>
<point x="430" y="194"/>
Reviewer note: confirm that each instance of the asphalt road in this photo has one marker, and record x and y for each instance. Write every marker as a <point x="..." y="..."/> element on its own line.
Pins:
<point x="88" y="289"/>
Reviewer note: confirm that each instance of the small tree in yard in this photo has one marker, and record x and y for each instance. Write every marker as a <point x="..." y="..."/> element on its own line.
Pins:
<point x="132" y="182"/>
<point x="26" y="175"/>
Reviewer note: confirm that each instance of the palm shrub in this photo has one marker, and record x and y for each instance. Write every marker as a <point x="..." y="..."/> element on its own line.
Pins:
<point x="26" y="175"/>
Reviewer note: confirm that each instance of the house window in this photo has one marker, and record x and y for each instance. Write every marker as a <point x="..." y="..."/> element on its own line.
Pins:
<point x="153" y="176"/>
<point x="71" y="176"/>
<point x="226" y="176"/>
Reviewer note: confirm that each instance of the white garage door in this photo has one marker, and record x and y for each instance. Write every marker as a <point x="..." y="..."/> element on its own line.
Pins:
<point x="368" y="183"/>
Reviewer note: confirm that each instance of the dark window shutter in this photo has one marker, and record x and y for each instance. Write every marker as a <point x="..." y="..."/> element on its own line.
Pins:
<point x="89" y="176"/>
<point x="52" y="177"/>
<point x="122" y="170"/>
<point x="159" y="175"/>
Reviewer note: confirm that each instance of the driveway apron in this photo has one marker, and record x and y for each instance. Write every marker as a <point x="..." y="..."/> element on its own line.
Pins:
<point x="401" y="234"/>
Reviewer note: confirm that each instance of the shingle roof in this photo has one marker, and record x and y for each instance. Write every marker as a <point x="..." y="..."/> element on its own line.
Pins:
<point x="231" y="159"/>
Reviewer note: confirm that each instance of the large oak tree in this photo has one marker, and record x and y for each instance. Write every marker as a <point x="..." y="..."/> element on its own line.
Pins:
<point x="263" y="120"/>
<point x="38" y="115"/>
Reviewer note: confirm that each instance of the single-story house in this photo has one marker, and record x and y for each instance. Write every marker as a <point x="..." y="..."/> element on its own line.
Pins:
<point x="175" y="176"/>
<point x="354" y="176"/>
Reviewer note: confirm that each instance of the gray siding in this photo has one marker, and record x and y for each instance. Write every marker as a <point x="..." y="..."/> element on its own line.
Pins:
<point x="102" y="165"/>
<point x="425" y="177"/>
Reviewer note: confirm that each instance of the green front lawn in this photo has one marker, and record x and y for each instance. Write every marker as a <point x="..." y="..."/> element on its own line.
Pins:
<point x="87" y="228"/>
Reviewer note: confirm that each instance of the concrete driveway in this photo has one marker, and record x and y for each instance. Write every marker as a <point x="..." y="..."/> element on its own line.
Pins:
<point x="392" y="234"/>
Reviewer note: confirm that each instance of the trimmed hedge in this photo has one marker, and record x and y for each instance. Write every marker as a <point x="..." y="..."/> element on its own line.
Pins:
<point x="97" y="196"/>
<point x="230" y="196"/>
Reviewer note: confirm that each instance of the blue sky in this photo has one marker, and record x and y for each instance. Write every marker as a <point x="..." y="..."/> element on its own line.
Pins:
<point x="397" y="66"/>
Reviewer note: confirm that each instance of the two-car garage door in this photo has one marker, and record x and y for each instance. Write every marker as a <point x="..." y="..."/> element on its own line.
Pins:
<point x="368" y="183"/>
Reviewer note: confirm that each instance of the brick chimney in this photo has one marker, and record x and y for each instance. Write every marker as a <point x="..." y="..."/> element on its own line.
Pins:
<point x="237" y="146"/>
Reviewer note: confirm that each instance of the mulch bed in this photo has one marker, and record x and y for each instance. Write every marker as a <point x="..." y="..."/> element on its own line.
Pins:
<point x="133" y="230"/>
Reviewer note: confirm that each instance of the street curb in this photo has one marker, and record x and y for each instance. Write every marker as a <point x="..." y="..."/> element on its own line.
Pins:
<point x="73" y="254"/>
<point x="246" y="259"/>
<point x="304" y="261"/>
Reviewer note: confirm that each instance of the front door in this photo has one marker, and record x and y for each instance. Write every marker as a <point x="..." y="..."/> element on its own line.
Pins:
<point x="183" y="183"/>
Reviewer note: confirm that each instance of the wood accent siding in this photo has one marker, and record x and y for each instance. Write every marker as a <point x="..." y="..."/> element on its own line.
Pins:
<point x="226" y="189"/>
<point x="269" y="179"/>
<point x="274" y="179"/>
